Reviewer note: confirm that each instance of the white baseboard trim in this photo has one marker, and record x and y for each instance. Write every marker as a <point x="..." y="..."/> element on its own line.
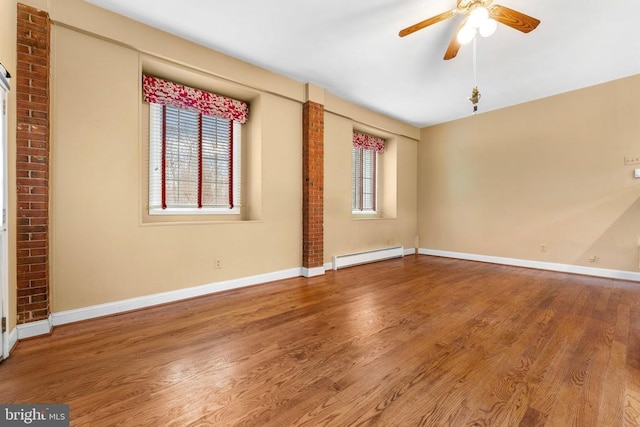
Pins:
<point x="409" y="251"/>
<point x="12" y="341"/>
<point x="33" y="329"/>
<point x="312" y="272"/>
<point x="328" y="266"/>
<point x="541" y="265"/>
<point x="100" y="310"/>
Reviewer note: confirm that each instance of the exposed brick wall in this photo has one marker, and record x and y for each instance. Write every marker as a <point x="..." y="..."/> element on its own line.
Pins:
<point x="32" y="164"/>
<point x="312" y="185"/>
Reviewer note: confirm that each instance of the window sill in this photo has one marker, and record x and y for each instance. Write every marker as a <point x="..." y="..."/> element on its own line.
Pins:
<point x="200" y="221"/>
<point x="193" y="211"/>
<point x="357" y="215"/>
<point x="171" y="216"/>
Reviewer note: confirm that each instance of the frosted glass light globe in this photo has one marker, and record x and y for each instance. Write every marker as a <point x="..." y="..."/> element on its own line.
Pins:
<point x="478" y="16"/>
<point x="488" y="27"/>
<point x="466" y="34"/>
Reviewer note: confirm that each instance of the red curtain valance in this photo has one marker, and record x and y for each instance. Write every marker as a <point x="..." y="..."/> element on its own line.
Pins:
<point x="368" y="142"/>
<point x="164" y="92"/>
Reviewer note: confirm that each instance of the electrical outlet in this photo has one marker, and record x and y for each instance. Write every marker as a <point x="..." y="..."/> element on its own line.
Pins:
<point x="593" y="258"/>
<point x="543" y="248"/>
<point x="631" y="160"/>
<point x="217" y="264"/>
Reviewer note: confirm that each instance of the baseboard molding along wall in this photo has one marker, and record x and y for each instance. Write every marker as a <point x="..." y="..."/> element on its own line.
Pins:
<point x="540" y="265"/>
<point x="33" y="329"/>
<point x="312" y="272"/>
<point x="12" y="340"/>
<point x="43" y="327"/>
<point x="410" y="251"/>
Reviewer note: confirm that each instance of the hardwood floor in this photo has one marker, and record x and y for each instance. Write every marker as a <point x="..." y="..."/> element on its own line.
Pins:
<point x="415" y="341"/>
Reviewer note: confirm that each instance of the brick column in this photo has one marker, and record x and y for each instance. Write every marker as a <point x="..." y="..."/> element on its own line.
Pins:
<point x="32" y="164"/>
<point x="312" y="188"/>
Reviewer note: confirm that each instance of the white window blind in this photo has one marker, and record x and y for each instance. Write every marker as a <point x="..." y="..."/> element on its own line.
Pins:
<point x="197" y="168"/>
<point x="364" y="180"/>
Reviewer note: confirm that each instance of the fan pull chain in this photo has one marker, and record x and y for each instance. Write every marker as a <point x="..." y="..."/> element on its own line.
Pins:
<point x="475" y="93"/>
<point x="475" y="71"/>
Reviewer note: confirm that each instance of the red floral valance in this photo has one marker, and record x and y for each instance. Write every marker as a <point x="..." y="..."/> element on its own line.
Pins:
<point x="164" y="92"/>
<point x="368" y="142"/>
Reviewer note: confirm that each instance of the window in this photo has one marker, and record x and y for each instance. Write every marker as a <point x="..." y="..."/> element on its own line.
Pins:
<point x="364" y="175"/>
<point x="194" y="149"/>
<point x="201" y="157"/>
<point x="363" y="180"/>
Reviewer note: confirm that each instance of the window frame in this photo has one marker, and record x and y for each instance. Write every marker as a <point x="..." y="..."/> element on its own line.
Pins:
<point x="155" y="205"/>
<point x="358" y="181"/>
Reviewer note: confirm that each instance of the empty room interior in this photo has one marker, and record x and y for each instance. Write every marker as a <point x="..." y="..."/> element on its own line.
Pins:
<point x="302" y="213"/>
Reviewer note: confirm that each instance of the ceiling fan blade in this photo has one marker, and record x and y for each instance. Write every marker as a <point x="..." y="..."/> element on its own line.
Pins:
<point x="513" y="18"/>
<point x="454" y="46"/>
<point x="427" y="22"/>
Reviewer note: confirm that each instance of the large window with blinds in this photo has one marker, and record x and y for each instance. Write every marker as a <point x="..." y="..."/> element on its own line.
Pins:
<point x="194" y="149"/>
<point x="364" y="175"/>
<point x="194" y="162"/>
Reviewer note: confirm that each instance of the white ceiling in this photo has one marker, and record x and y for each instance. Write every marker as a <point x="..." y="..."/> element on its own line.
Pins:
<point x="352" y="48"/>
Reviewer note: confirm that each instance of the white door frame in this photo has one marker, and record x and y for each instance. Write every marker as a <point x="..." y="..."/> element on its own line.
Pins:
<point x="4" y="187"/>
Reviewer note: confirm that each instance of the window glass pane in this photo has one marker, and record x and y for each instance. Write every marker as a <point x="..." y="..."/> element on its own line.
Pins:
<point x="155" y="156"/>
<point x="368" y="180"/>
<point x="215" y="161"/>
<point x="211" y="157"/>
<point x="363" y="179"/>
<point x="181" y="157"/>
<point x="237" y="163"/>
<point x="355" y="177"/>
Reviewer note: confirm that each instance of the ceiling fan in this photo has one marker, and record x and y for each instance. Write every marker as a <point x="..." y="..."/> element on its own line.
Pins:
<point x="480" y="17"/>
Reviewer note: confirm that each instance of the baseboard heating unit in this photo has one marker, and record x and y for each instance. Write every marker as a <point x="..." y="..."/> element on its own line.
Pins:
<point x="348" y="260"/>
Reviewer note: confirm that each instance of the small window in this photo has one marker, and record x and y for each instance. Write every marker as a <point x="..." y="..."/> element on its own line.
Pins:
<point x="194" y="149"/>
<point x="364" y="180"/>
<point x="364" y="176"/>
<point x="201" y="157"/>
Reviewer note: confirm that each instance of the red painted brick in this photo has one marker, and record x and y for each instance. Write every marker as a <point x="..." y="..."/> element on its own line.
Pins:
<point x="32" y="163"/>
<point x="312" y="187"/>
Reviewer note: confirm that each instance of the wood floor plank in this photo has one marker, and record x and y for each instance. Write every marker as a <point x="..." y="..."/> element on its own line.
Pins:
<point x="492" y="353"/>
<point x="632" y="395"/>
<point x="416" y="341"/>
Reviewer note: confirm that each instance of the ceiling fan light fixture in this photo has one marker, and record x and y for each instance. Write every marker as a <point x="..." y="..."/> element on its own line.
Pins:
<point x="488" y="27"/>
<point x="478" y="16"/>
<point x="466" y="34"/>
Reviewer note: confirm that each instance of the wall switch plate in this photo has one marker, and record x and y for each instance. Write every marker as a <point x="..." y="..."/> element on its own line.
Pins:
<point x="636" y="173"/>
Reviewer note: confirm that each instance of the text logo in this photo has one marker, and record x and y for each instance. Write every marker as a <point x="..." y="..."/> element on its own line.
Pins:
<point x="53" y="415"/>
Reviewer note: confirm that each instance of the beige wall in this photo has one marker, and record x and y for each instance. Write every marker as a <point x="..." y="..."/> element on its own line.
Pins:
<point x="101" y="249"/>
<point x="345" y="233"/>
<point x="8" y="30"/>
<point x="549" y="172"/>
<point x="103" y="246"/>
